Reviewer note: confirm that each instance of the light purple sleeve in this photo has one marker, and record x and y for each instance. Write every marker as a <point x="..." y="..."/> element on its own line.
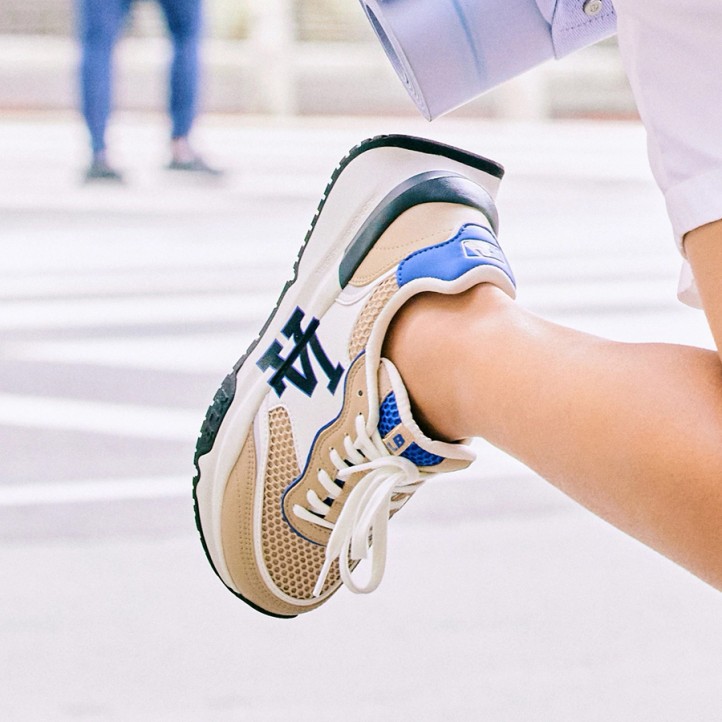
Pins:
<point x="447" y="52"/>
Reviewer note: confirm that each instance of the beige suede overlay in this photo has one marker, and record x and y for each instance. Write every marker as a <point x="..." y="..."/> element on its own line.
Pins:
<point x="332" y="437"/>
<point x="420" y="226"/>
<point x="380" y="296"/>
<point x="293" y="563"/>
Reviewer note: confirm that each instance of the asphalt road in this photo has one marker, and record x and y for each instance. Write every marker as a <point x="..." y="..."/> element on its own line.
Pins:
<point x="121" y="309"/>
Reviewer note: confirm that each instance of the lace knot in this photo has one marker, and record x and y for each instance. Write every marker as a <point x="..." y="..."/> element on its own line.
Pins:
<point x="360" y="532"/>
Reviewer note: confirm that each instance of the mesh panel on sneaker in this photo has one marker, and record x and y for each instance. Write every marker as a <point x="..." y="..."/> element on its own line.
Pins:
<point x="362" y="329"/>
<point x="293" y="563"/>
<point x="389" y="419"/>
<point x="416" y="455"/>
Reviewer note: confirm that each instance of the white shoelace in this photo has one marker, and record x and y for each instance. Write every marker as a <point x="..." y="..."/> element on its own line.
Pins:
<point x="360" y="532"/>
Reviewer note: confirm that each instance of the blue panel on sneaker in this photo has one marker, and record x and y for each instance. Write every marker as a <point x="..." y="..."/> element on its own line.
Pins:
<point x="416" y="455"/>
<point x="471" y="247"/>
<point x="389" y="419"/>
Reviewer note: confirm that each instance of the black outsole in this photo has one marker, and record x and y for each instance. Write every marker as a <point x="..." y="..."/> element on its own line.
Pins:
<point x="224" y="396"/>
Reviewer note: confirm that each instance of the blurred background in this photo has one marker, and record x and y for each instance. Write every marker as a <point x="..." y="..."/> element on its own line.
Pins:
<point x="123" y="306"/>
<point x="279" y="57"/>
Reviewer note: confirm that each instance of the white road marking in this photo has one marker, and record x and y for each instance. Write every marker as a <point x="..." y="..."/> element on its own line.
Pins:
<point x="191" y="353"/>
<point x="133" y="282"/>
<point x="139" y="310"/>
<point x="71" y="492"/>
<point x="148" y="422"/>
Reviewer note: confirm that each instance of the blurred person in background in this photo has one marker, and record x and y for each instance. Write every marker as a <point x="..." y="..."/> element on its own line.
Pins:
<point x="100" y="24"/>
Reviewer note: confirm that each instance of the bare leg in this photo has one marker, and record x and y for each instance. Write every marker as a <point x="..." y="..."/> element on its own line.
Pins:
<point x="704" y="252"/>
<point x="631" y="431"/>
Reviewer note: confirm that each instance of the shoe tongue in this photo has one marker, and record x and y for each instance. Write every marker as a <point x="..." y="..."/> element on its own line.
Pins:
<point x="401" y="434"/>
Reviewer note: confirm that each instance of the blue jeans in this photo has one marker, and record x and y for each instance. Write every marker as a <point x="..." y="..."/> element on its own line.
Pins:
<point x="100" y="24"/>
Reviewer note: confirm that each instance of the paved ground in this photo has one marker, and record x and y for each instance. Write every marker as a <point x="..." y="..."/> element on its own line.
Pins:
<point x="121" y="310"/>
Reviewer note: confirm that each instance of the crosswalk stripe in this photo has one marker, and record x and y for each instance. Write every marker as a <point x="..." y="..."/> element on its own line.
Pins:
<point x="138" y="310"/>
<point x="191" y="353"/>
<point x="71" y="492"/>
<point x="152" y="282"/>
<point x="42" y="412"/>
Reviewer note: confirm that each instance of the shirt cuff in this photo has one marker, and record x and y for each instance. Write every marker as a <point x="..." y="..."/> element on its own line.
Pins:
<point x="691" y="204"/>
<point x="576" y="24"/>
<point x="694" y="203"/>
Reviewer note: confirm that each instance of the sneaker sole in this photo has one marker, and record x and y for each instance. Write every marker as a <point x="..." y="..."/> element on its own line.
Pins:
<point x="377" y="181"/>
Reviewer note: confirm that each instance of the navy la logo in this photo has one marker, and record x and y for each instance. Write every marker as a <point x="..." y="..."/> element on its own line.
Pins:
<point x="303" y="339"/>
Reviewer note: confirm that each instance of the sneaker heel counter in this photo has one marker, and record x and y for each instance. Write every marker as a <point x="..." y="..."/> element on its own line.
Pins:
<point x="472" y="247"/>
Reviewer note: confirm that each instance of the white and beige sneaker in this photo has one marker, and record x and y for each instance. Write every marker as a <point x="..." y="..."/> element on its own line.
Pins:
<point x="310" y="445"/>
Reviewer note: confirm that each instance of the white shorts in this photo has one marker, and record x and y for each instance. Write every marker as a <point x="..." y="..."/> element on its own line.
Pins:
<point x="672" y="52"/>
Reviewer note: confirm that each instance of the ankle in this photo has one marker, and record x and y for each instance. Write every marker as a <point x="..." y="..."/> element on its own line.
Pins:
<point x="181" y="150"/>
<point x="427" y="342"/>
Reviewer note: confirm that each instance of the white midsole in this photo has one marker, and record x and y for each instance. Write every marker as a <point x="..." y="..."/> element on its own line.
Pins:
<point x="359" y="188"/>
